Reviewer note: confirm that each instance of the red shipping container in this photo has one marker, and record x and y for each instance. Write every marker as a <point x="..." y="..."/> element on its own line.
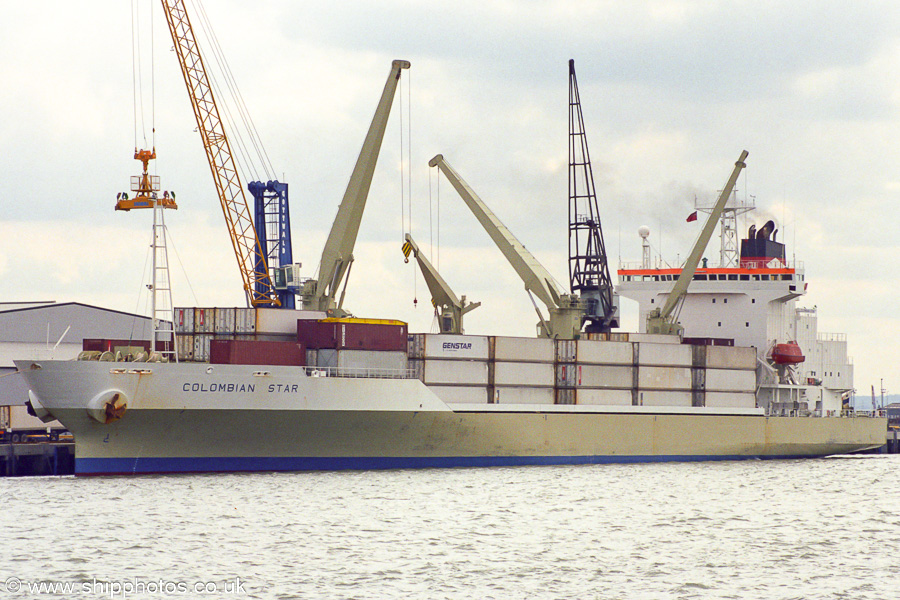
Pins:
<point x="345" y="334"/>
<point x="254" y="352"/>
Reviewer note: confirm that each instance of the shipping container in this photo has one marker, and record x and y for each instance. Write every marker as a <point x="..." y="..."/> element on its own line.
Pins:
<point x="664" y="355"/>
<point x="565" y="351"/>
<point x="451" y="372"/>
<point x="448" y="346"/>
<point x="224" y="320"/>
<point x="564" y="396"/>
<point x="201" y="346"/>
<point x="184" y="343"/>
<point x="204" y="320"/>
<point x="604" y="353"/>
<point x="522" y="349"/>
<point x="619" y="336"/>
<point x="281" y="320"/>
<point x="458" y="394"/>
<point x="723" y="357"/>
<point x="603" y="397"/>
<point x="664" y="378"/>
<point x="184" y="320"/>
<point x="361" y="360"/>
<point x="245" y="320"/>
<point x="664" y="398"/>
<point x="523" y="395"/>
<point x="523" y="374"/>
<point x="566" y="376"/>
<point x="251" y="352"/>
<point x="599" y="337"/>
<point x="730" y="380"/>
<point x="731" y="399"/>
<point x="604" y="376"/>
<point x="356" y="334"/>
<point x="312" y="357"/>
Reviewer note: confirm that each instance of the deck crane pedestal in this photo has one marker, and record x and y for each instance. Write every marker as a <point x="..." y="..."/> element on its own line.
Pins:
<point x="566" y="310"/>
<point x="662" y="320"/>
<point x="337" y="255"/>
<point x="450" y="308"/>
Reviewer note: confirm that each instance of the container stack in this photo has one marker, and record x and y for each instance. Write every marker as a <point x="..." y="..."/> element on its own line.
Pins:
<point x="521" y="370"/>
<point x="454" y="367"/>
<point x="355" y="347"/>
<point x="197" y="327"/>
<point x="724" y="376"/>
<point x="595" y="372"/>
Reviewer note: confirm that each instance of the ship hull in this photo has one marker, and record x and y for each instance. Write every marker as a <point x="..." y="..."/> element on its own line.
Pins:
<point x="185" y="418"/>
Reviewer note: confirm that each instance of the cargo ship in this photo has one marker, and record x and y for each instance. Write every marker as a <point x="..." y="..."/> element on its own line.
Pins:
<point x="278" y="389"/>
<point x="283" y="390"/>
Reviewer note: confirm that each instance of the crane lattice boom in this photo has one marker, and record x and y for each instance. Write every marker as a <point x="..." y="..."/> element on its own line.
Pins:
<point x="251" y="259"/>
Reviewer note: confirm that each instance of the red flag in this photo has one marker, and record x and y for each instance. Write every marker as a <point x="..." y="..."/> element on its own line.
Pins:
<point x="692" y="217"/>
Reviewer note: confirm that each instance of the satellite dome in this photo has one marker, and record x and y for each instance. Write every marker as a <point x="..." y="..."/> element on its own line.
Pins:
<point x="644" y="232"/>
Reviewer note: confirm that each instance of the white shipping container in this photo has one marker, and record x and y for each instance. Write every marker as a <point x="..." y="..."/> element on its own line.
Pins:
<point x="602" y="376"/>
<point x="415" y="345"/>
<point x="522" y="349"/>
<point x="523" y="373"/>
<point x="455" y="372"/>
<point x="447" y="346"/>
<point x="370" y="359"/>
<point x="605" y="353"/>
<point x="565" y="351"/>
<point x="566" y="375"/>
<point x="245" y="320"/>
<point x="731" y="399"/>
<point x="730" y="380"/>
<point x="201" y="347"/>
<point x="664" y="378"/>
<point x="184" y="320"/>
<point x="523" y="395"/>
<point x="224" y="320"/>
<point x="312" y="358"/>
<point x="671" y="355"/>
<point x="184" y="345"/>
<point x="458" y="394"/>
<point x="663" y="398"/>
<point x="280" y="320"/>
<point x="730" y="357"/>
<point x="603" y="397"/>
<point x="204" y="320"/>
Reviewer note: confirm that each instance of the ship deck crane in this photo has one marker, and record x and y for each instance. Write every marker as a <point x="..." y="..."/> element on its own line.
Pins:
<point x="337" y="255"/>
<point x="250" y="255"/>
<point x="662" y="320"/>
<point x="566" y="310"/>
<point x="451" y="308"/>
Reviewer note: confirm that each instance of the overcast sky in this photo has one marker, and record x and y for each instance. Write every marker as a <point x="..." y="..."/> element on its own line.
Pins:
<point x="672" y="91"/>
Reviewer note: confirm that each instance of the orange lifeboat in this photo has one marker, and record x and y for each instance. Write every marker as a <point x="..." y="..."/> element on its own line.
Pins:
<point x="787" y="354"/>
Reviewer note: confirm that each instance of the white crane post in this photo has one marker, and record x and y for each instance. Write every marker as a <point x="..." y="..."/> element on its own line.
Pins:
<point x="338" y="251"/>
<point x="659" y="322"/>
<point x="441" y="293"/>
<point x="563" y="308"/>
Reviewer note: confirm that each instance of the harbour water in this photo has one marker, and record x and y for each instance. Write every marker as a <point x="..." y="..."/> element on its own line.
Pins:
<point x="808" y="529"/>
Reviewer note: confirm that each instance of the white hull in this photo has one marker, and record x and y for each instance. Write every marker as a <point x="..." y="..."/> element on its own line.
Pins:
<point x="201" y="418"/>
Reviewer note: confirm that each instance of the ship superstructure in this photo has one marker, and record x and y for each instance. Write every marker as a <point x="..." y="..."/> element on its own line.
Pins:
<point x="750" y="299"/>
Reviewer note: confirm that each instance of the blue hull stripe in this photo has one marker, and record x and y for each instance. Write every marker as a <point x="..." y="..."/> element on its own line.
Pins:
<point x="229" y="464"/>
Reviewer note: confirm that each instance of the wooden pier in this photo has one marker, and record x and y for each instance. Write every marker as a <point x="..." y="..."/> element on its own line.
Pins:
<point x="37" y="458"/>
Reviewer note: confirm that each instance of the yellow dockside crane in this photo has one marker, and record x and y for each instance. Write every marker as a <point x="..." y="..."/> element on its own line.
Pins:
<point x="250" y="255"/>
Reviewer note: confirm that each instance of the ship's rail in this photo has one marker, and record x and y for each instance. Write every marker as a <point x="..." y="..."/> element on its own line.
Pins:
<point x="360" y="373"/>
<point x="746" y="265"/>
